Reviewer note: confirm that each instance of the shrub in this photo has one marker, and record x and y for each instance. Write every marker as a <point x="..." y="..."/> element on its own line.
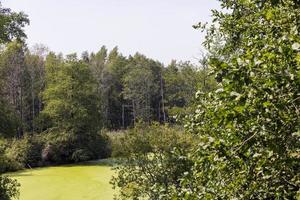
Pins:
<point x="7" y="164"/>
<point x="54" y="147"/>
<point x="26" y="151"/>
<point x="68" y="147"/>
<point x="8" y="188"/>
<point x="81" y="155"/>
<point x="117" y="139"/>
<point x="99" y="145"/>
<point x="154" y="159"/>
<point x="58" y="148"/>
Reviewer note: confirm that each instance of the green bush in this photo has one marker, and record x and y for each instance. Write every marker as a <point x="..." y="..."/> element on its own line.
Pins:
<point x="117" y="139"/>
<point x="81" y="155"/>
<point x="58" y="148"/>
<point x="25" y="152"/>
<point x="57" y="145"/>
<point x="99" y="145"/>
<point x="154" y="159"/>
<point x="9" y="188"/>
<point x="6" y="164"/>
<point x="92" y="147"/>
<point x="54" y="147"/>
<point x="68" y="147"/>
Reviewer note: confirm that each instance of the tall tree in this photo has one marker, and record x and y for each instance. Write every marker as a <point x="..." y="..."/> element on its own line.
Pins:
<point x="138" y="85"/>
<point x="35" y="67"/>
<point x="14" y="76"/>
<point x="70" y="97"/>
<point x="11" y="25"/>
<point x="249" y="128"/>
<point x="112" y="87"/>
<point x="181" y="81"/>
<point x="142" y="87"/>
<point x="98" y="64"/>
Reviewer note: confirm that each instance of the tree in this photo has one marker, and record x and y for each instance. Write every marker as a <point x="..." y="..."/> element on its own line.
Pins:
<point x="112" y="87"/>
<point x="249" y="127"/>
<point x="177" y="91"/>
<point x="13" y="73"/>
<point x="181" y="82"/>
<point x="70" y="98"/>
<point x="142" y="87"/>
<point x="22" y="81"/>
<point x="138" y="85"/>
<point x="98" y="64"/>
<point x="72" y="105"/>
<point x="11" y="25"/>
<point x="35" y="68"/>
<point x="8" y="126"/>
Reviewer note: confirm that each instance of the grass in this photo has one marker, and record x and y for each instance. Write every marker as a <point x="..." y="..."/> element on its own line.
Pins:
<point x="88" y="181"/>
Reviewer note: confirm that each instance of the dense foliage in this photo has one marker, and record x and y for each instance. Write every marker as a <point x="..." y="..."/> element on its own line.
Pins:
<point x="11" y="27"/>
<point x="8" y="188"/>
<point x="108" y="90"/>
<point x="154" y="159"/>
<point x="249" y="128"/>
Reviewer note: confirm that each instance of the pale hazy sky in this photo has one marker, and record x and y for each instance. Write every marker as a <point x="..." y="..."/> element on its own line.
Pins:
<point x="160" y="29"/>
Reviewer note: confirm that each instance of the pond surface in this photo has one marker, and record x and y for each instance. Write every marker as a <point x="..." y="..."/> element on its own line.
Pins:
<point x="89" y="181"/>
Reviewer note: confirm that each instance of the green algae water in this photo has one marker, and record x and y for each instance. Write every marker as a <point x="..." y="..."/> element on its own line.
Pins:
<point x="88" y="181"/>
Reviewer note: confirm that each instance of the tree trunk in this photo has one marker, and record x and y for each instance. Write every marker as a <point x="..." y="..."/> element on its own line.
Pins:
<point x="162" y="98"/>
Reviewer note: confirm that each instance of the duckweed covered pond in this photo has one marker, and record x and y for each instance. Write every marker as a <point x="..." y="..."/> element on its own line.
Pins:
<point x="88" y="181"/>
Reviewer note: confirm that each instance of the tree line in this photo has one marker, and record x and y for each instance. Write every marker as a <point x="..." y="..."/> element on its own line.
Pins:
<point x="40" y="89"/>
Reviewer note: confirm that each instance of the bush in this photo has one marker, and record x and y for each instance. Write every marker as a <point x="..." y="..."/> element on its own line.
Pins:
<point x="25" y="152"/>
<point x="8" y="188"/>
<point x="81" y="155"/>
<point x="58" y="148"/>
<point x="99" y="145"/>
<point x="117" y="139"/>
<point x="154" y="161"/>
<point x="68" y="147"/>
<point x="7" y="164"/>
<point x="54" y="147"/>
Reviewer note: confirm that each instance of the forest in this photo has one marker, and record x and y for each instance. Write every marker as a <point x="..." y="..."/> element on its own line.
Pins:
<point x="227" y="127"/>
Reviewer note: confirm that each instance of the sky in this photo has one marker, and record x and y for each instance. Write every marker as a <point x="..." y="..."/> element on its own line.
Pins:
<point x="159" y="29"/>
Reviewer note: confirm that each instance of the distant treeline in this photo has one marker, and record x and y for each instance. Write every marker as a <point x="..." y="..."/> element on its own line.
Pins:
<point x="40" y="89"/>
